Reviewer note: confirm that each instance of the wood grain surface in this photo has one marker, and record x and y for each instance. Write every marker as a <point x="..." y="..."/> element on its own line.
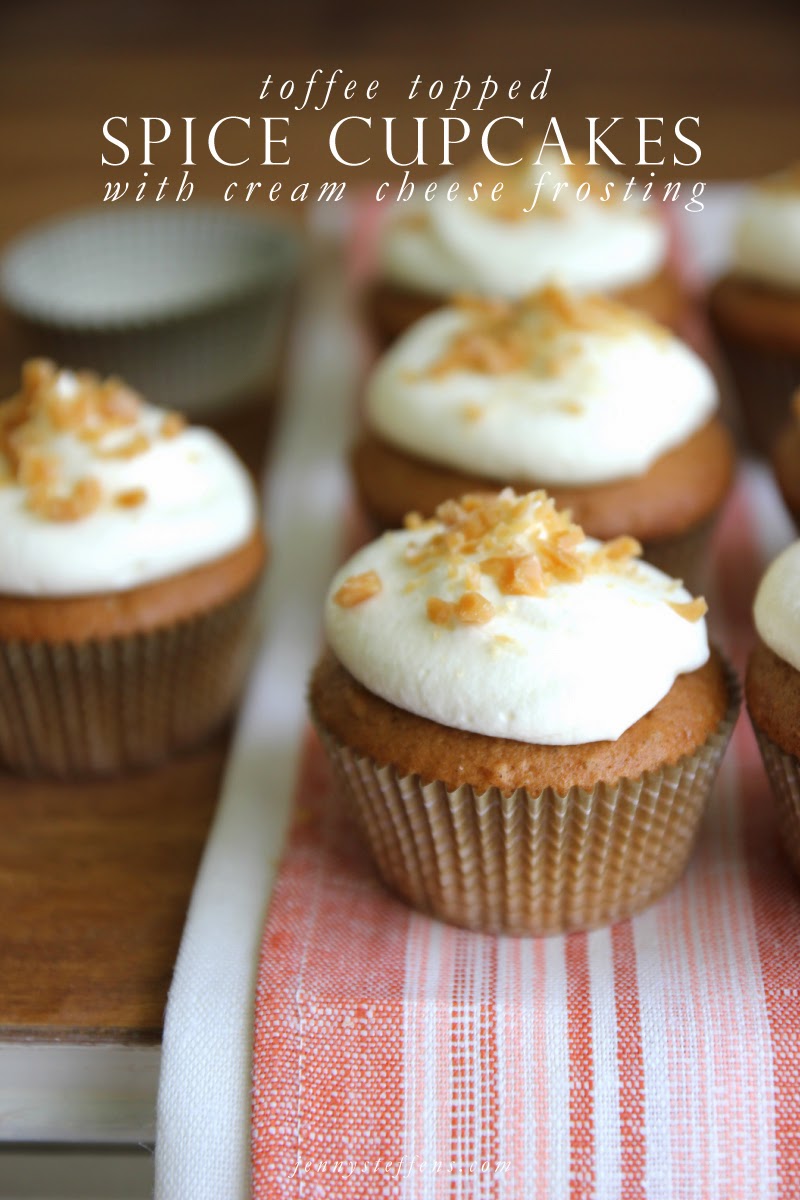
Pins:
<point x="94" y="883"/>
<point x="95" y="878"/>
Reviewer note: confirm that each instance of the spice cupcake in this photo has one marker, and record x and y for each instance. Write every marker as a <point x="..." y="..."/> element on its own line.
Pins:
<point x="773" y="689"/>
<point x="786" y="460"/>
<point x="431" y="250"/>
<point x="755" y="308"/>
<point x="130" y="552"/>
<point x="527" y="722"/>
<point x="608" y="411"/>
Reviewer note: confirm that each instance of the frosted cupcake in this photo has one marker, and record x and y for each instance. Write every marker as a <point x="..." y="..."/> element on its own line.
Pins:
<point x="431" y="250"/>
<point x="611" y="413"/>
<point x="527" y="722"/>
<point x="755" y="308"/>
<point x="773" y="689"/>
<point x="130" y="551"/>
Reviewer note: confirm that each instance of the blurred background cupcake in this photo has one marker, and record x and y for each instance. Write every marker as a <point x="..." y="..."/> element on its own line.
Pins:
<point x="610" y="412"/>
<point x="786" y="459"/>
<point x="431" y="250"/>
<point x="773" y="689"/>
<point x="187" y="304"/>
<point x="526" y="722"/>
<point x="755" y="306"/>
<point x="130" y="554"/>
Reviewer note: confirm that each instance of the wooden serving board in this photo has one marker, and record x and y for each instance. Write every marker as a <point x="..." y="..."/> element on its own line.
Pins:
<point x="95" y="880"/>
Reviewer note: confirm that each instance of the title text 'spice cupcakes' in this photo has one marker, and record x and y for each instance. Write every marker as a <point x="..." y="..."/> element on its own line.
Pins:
<point x="433" y="249"/>
<point x="611" y="413"/>
<point x="130" y="551"/>
<point x="773" y="689"/>
<point x="528" y="722"/>
<point x="755" y="308"/>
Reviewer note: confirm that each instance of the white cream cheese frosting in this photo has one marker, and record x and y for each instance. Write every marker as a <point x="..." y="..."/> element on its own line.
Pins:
<point x="767" y="241"/>
<point x="495" y="248"/>
<point x="501" y="618"/>
<point x="101" y="492"/>
<point x="556" y="389"/>
<point x="777" y="606"/>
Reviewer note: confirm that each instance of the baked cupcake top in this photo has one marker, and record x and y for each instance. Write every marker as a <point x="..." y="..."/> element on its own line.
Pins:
<point x="767" y="240"/>
<point x="777" y="606"/>
<point x="501" y="617"/>
<point x="555" y="389"/>
<point x="598" y="243"/>
<point x="101" y="492"/>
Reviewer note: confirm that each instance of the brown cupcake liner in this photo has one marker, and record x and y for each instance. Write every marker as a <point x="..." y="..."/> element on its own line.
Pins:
<point x="764" y="382"/>
<point x="783" y="771"/>
<point x="532" y="864"/>
<point x="100" y="706"/>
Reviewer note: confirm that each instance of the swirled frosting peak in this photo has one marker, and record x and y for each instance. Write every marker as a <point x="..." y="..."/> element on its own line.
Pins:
<point x="101" y="492"/>
<point x="777" y="606"/>
<point x="501" y="617"/>
<point x="553" y="389"/>
<point x="594" y="242"/>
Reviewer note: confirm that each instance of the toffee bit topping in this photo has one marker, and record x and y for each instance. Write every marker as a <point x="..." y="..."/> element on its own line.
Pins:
<point x="621" y="549"/>
<point x="358" y="588"/>
<point x="517" y="575"/>
<point x="37" y="374"/>
<point x="173" y="424"/>
<point x="471" y="608"/>
<point x="690" y="610"/>
<point x="84" y="499"/>
<point x="413" y="520"/>
<point x="132" y="498"/>
<point x="138" y="444"/>
<point x="474" y="609"/>
<point x="538" y="335"/>
<point x="37" y="470"/>
<point x="440" y="612"/>
<point x="523" y="543"/>
<point x="52" y="405"/>
<point x="118" y="404"/>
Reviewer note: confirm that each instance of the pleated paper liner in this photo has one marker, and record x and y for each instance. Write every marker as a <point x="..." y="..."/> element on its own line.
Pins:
<point x="71" y="709"/>
<point x="532" y="864"/>
<point x="764" y="381"/>
<point x="783" y="771"/>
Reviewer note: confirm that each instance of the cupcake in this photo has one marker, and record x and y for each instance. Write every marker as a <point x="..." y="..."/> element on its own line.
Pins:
<point x="755" y="308"/>
<point x="772" y="689"/>
<point x="527" y="722"/>
<point x="611" y="413"/>
<point x="130" y="552"/>
<point x="786" y="460"/>
<point x="431" y="250"/>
